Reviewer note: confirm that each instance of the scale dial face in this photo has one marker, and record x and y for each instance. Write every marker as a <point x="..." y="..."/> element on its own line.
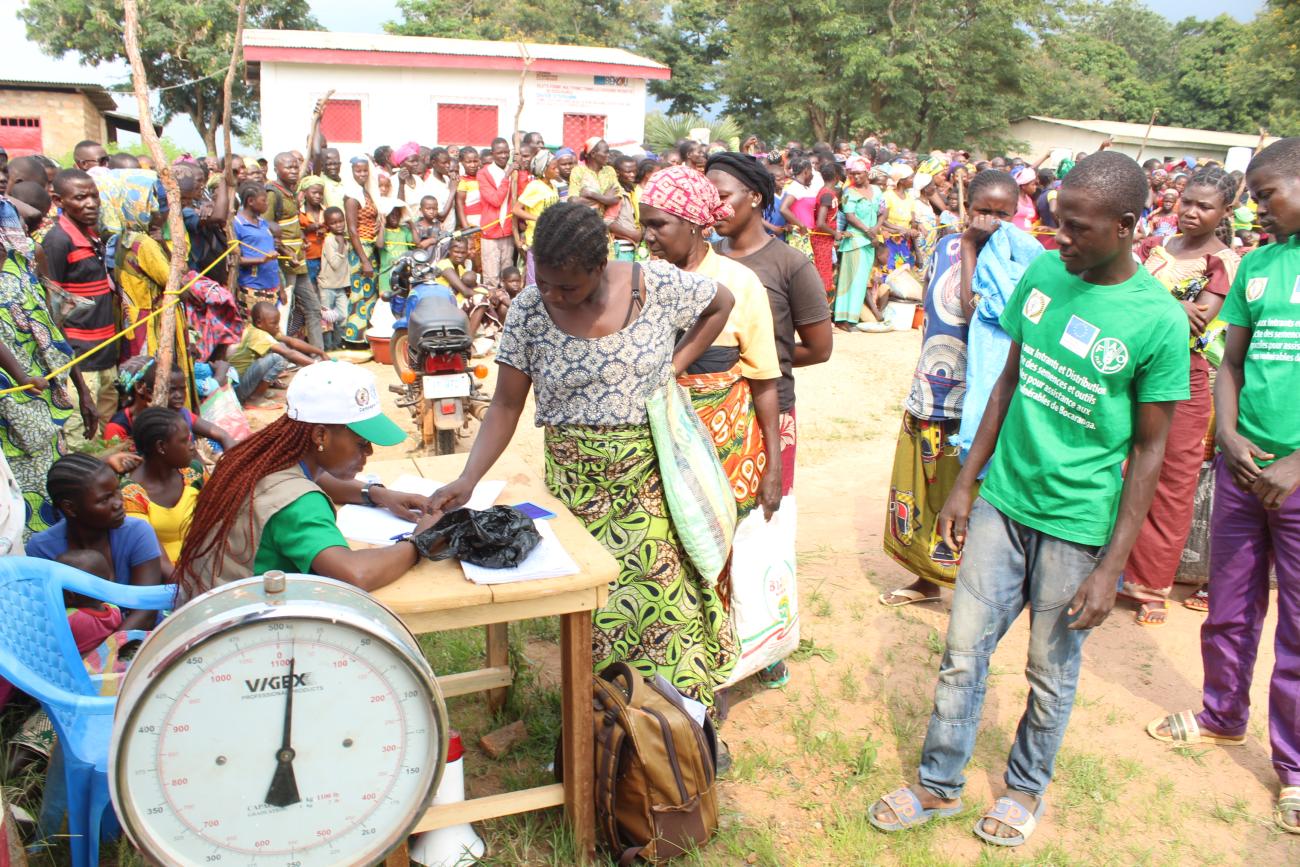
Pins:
<point x="282" y="742"/>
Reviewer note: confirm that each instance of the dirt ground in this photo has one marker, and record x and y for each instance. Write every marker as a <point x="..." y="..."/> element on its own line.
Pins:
<point x="811" y="758"/>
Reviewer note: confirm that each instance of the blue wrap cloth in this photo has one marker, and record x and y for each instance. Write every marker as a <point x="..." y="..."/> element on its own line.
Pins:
<point x="1003" y="261"/>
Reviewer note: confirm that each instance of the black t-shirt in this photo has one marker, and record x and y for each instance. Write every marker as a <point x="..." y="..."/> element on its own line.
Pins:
<point x="797" y="296"/>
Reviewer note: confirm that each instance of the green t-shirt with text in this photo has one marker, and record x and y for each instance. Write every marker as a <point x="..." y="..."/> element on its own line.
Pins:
<point x="1265" y="297"/>
<point x="1088" y="355"/>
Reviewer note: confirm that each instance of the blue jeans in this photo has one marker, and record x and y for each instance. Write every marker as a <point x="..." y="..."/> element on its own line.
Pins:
<point x="264" y="369"/>
<point x="1005" y="567"/>
<point x="336" y="300"/>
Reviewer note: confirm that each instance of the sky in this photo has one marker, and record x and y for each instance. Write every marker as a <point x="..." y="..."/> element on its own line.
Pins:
<point x="22" y="59"/>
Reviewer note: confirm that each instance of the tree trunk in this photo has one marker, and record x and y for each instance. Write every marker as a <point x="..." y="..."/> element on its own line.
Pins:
<point x="179" y="240"/>
<point x="228" y="177"/>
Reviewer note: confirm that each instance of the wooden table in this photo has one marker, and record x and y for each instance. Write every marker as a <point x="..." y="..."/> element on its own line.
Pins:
<point x="434" y="597"/>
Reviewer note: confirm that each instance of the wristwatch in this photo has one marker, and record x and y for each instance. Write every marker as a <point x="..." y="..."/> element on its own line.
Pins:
<point x="365" y="493"/>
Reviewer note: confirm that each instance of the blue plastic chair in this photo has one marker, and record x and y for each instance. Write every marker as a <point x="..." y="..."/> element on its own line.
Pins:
<point x="39" y="656"/>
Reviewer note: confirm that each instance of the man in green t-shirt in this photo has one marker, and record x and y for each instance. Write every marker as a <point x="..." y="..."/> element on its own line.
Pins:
<point x="1256" y="520"/>
<point x="1098" y="358"/>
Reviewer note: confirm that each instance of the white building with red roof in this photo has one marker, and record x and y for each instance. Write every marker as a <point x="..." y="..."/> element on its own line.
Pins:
<point x="394" y="89"/>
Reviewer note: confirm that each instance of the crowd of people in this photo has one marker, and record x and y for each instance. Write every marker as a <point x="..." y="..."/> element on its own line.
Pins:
<point x="1052" y="445"/>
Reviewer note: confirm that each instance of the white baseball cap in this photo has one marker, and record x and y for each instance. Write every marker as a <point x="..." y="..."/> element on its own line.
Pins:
<point x="334" y="392"/>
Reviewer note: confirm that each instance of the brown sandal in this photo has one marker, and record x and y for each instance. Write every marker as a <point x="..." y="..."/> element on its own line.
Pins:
<point x="1198" y="601"/>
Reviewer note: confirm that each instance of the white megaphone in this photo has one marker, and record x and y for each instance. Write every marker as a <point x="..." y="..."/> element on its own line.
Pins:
<point x="458" y="845"/>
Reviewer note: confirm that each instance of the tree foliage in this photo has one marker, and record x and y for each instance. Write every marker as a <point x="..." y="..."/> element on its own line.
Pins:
<point x="692" y="40"/>
<point x="615" y="23"/>
<point x="923" y="70"/>
<point x="1121" y="60"/>
<point x="187" y="45"/>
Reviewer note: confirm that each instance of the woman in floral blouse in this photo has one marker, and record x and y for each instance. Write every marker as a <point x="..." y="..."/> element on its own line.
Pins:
<point x="594" y="339"/>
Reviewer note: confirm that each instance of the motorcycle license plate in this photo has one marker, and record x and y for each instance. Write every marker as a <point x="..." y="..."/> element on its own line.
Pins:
<point x="446" y="385"/>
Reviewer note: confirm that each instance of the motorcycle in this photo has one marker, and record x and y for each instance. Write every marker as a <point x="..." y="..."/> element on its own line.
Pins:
<point x="431" y="349"/>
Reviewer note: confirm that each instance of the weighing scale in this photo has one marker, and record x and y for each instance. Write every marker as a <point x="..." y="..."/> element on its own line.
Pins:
<point x="285" y="720"/>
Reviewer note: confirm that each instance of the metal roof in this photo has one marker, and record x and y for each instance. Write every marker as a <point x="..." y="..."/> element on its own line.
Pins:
<point x="1135" y="132"/>
<point x="96" y="93"/>
<point x="383" y="42"/>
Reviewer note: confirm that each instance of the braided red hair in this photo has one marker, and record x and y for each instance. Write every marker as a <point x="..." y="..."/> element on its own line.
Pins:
<point x="275" y="447"/>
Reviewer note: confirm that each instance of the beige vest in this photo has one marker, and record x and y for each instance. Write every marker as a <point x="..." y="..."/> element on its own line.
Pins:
<point x="270" y="495"/>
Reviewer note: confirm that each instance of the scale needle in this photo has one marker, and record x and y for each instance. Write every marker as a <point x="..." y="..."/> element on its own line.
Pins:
<point x="284" y="786"/>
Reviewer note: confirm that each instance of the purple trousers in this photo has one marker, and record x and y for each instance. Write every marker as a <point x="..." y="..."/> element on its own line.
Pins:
<point x="1245" y="538"/>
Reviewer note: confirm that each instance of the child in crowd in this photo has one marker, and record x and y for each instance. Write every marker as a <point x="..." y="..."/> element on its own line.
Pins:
<point x="263" y="354"/>
<point x="397" y="240"/>
<point x="1163" y="221"/>
<point x="311" y="217"/>
<point x="91" y="620"/>
<point x="259" y="271"/>
<point x="136" y="382"/>
<point x="335" y="279"/>
<point x="512" y="282"/>
<point x="499" y="300"/>
<point x="428" y="229"/>
<point x="1256" y="519"/>
<point x="1097" y="359"/>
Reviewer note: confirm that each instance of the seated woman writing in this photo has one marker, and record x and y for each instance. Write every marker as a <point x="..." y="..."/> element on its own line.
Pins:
<point x="268" y="503"/>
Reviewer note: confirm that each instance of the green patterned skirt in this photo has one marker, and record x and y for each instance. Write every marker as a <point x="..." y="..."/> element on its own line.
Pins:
<point x="660" y="618"/>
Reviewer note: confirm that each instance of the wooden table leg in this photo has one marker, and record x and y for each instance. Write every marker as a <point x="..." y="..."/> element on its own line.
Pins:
<point x="399" y="857"/>
<point x="579" y="751"/>
<point x="498" y="654"/>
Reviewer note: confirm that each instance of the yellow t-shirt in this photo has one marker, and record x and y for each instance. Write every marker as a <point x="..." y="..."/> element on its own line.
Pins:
<point x="749" y="326"/>
<point x="253" y="345"/>
<point x="536" y="198"/>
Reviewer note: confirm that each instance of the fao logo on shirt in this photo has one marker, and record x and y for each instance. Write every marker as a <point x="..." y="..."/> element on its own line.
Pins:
<point x="1109" y="355"/>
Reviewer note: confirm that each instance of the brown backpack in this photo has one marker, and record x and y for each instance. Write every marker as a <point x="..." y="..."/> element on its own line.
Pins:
<point x="655" y="769"/>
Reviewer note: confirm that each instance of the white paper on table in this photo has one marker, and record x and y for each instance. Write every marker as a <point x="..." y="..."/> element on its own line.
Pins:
<point x="374" y="526"/>
<point x="484" y="497"/>
<point x="547" y="560"/>
<point x="380" y="526"/>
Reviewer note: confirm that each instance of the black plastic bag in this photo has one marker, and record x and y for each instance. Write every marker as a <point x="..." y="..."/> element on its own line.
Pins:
<point x="496" y="538"/>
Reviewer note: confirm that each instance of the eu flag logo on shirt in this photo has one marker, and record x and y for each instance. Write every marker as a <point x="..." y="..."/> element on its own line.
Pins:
<point x="1079" y="335"/>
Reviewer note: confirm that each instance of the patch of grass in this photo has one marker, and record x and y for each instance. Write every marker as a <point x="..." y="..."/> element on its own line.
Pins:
<point x="749" y="764"/>
<point x="864" y="763"/>
<point x="737" y="843"/>
<point x="934" y="643"/>
<point x="857" y="612"/>
<point x="1188" y="752"/>
<point x="850" y="687"/>
<point x="807" y="649"/>
<point x="1232" y="812"/>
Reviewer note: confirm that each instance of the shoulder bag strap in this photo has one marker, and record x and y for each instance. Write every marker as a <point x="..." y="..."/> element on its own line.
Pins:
<point x="635" y="303"/>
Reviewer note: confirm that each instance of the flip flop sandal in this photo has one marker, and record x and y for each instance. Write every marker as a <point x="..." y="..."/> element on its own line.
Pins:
<point x="1013" y="815"/>
<point x="1144" y="615"/>
<point x="1198" y="601"/>
<point x="774" y="676"/>
<point x="1183" y="729"/>
<point x="1287" y="801"/>
<point x="908" y="811"/>
<point x="909" y="596"/>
